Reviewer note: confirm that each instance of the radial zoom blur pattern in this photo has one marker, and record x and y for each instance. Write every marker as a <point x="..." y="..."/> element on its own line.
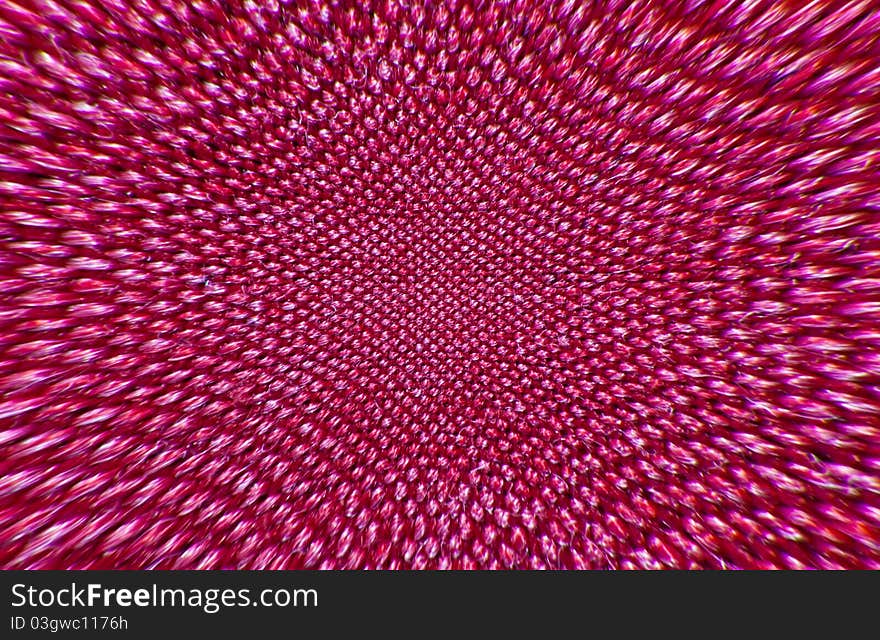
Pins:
<point x="439" y="284"/>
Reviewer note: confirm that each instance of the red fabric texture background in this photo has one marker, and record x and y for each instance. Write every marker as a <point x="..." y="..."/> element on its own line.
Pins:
<point x="450" y="284"/>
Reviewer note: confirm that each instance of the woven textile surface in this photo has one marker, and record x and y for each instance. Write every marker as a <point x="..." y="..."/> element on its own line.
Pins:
<point x="452" y="284"/>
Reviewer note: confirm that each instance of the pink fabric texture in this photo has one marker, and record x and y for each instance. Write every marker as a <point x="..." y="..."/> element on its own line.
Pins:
<point x="449" y="284"/>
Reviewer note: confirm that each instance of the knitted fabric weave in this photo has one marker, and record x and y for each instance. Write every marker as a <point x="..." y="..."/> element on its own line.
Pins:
<point x="447" y="284"/>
